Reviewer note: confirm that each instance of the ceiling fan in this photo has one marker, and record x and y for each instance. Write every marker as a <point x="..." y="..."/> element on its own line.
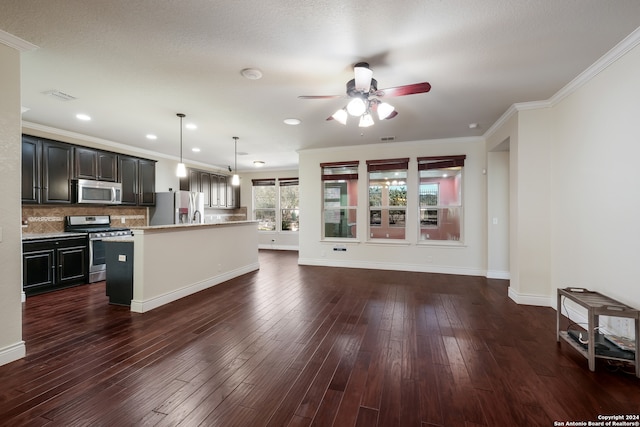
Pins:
<point x="365" y="97"/>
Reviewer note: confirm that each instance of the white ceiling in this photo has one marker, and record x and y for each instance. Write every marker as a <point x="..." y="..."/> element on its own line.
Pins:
<point x="132" y="65"/>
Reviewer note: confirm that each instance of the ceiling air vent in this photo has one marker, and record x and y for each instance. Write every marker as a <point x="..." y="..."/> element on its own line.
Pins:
<point x="388" y="138"/>
<point x="60" y="96"/>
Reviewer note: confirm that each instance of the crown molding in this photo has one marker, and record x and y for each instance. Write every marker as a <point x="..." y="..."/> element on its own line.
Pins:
<point x="16" y="42"/>
<point x="617" y="52"/>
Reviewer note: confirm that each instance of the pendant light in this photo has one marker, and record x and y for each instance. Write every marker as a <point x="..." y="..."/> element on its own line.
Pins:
<point x="235" y="180"/>
<point x="181" y="172"/>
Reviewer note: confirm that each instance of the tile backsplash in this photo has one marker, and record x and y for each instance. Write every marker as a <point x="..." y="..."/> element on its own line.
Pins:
<point x="50" y="218"/>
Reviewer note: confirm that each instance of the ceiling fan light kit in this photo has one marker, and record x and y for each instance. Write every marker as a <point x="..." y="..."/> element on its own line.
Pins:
<point x="365" y="121"/>
<point x="341" y="116"/>
<point x="365" y="97"/>
<point x="356" y="107"/>
<point x="385" y="110"/>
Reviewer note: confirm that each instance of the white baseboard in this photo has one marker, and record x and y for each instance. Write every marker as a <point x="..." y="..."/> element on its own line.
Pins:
<point x="278" y="247"/>
<point x="528" y="299"/>
<point x="497" y="274"/>
<point x="155" y="302"/>
<point x="420" y="268"/>
<point x="12" y="353"/>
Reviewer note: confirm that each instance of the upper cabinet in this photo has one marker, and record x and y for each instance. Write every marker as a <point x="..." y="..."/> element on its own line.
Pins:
<point x="95" y="164"/>
<point x="47" y="170"/>
<point x="138" y="178"/>
<point x="217" y="189"/>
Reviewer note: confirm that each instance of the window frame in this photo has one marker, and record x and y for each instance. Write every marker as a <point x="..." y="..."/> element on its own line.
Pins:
<point x="385" y="211"/>
<point x="340" y="173"/>
<point x="277" y="183"/>
<point x="453" y="162"/>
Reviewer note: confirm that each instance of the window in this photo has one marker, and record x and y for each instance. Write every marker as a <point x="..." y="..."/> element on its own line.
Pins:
<point x="276" y="207"/>
<point x="289" y="209"/>
<point x="340" y="198"/>
<point x="440" y="197"/>
<point x="387" y="198"/>
<point x="264" y="204"/>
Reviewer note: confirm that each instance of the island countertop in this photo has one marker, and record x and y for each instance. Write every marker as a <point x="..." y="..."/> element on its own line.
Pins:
<point x="178" y="227"/>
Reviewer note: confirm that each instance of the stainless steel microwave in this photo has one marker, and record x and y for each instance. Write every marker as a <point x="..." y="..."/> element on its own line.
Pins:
<point x="99" y="192"/>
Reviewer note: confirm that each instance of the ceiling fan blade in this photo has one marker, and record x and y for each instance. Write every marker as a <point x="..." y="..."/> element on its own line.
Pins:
<point x="404" y="90"/>
<point x="392" y="115"/>
<point x="320" y="96"/>
<point x="329" y="118"/>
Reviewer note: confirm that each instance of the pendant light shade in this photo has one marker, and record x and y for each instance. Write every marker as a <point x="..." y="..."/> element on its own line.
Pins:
<point x="181" y="171"/>
<point x="235" y="180"/>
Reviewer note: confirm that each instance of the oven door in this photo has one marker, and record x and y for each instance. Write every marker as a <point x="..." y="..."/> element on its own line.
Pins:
<point x="97" y="260"/>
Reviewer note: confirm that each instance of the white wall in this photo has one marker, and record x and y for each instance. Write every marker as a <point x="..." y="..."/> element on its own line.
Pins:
<point x="465" y="257"/>
<point x="498" y="213"/>
<point x="11" y="345"/>
<point x="279" y="240"/>
<point x="595" y="240"/>
<point x="574" y="204"/>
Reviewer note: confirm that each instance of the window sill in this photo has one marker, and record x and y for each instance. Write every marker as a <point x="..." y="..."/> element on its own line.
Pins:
<point x="388" y="242"/>
<point x="441" y="243"/>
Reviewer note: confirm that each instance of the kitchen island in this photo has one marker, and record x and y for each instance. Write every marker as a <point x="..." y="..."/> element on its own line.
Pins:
<point x="173" y="261"/>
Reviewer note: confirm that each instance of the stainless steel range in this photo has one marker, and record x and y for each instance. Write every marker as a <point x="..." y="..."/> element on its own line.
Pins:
<point x="97" y="228"/>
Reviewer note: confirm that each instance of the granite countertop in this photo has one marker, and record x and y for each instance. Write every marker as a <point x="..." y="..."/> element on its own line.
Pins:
<point x="177" y="227"/>
<point x="38" y="236"/>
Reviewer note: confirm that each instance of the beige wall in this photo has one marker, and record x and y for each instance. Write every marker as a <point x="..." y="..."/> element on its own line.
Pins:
<point x="11" y="345"/>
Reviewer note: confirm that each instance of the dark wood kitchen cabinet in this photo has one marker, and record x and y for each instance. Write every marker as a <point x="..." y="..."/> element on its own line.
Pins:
<point x="54" y="263"/>
<point x="138" y="178"/>
<point x="217" y="189"/>
<point x="95" y="164"/>
<point x="47" y="170"/>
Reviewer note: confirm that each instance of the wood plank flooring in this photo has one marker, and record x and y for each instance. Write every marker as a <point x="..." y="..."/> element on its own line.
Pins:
<point x="293" y="345"/>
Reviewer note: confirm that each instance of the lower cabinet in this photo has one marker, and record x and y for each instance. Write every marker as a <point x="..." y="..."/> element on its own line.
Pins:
<point x="50" y="264"/>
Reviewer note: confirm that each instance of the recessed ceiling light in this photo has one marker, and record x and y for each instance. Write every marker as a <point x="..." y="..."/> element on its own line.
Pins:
<point x="258" y="163"/>
<point x="195" y="149"/>
<point x="191" y="126"/>
<point x="292" y="122"/>
<point x="83" y="117"/>
<point x="473" y="125"/>
<point x="151" y="136"/>
<point x="251" y="73"/>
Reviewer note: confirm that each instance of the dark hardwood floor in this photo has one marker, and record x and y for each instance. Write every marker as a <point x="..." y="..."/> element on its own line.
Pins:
<point x="293" y="345"/>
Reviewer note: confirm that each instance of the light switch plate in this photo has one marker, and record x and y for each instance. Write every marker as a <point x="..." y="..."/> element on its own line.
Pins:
<point x="122" y="258"/>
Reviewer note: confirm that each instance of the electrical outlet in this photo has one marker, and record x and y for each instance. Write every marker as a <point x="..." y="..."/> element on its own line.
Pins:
<point x="123" y="220"/>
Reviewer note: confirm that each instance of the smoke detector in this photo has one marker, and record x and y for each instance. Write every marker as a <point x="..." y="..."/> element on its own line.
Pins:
<point x="251" y="73"/>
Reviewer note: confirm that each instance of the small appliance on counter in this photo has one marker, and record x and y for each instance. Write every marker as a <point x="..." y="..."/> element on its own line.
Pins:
<point x="179" y="207"/>
<point x="97" y="228"/>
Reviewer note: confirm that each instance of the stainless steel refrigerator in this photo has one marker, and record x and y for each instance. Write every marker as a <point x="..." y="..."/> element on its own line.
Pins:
<point x="177" y="207"/>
